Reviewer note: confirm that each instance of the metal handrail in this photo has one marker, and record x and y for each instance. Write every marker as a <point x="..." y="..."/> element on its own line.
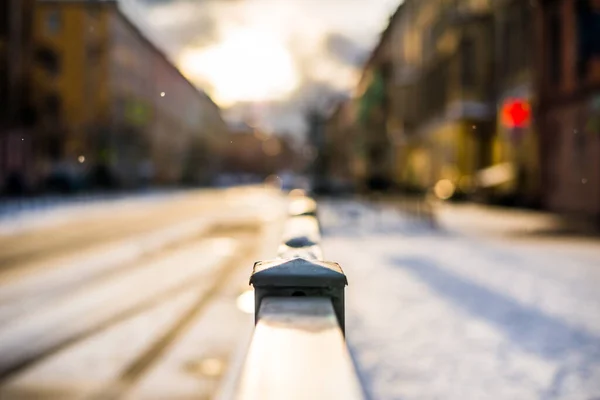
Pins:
<point x="298" y="349"/>
<point x="298" y="352"/>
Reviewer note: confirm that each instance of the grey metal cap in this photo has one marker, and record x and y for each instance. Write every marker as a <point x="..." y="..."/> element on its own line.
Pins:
<point x="298" y="272"/>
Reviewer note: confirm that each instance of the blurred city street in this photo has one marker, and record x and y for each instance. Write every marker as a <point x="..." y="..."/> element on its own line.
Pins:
<point x="147" y="297"/>
<point x="137" y="297"/>
<point x="446" y="153"/>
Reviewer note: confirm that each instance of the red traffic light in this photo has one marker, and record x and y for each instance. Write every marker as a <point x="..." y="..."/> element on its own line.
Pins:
<point x="516" y="113"/>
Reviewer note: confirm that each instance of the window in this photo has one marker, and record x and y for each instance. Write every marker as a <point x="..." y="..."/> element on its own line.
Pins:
<point x="555" y="45"/>
<point x="4" y="18"/>
<point x="94" y="52"/>
<point x="3" y="88"/>
<point x="54" y="146"/>
<point x="48" y="59"/>
<point x="427" y="45"/>
<point x="579" y="154"/>
<point x="93" y="11"/>
<point x="505" y="55"/>
<point x="588" y="26"/>
<point x="468" y="63"/>
<point x="53" y="22"/>
<point x="527" y="33"/>
<point x="53" y="105"/>
<point x="516" y="39"/>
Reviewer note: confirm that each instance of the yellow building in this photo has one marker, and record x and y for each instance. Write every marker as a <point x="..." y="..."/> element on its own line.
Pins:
<point x="66" y="76"/>
<point x="111" y="102"/>
<point x="442" y="91"/>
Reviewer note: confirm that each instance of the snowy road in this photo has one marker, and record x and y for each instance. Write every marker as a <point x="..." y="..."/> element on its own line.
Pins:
<point x="463" y="314"/>
<point x="143" y="299"/>
<point x="131" y="299"/>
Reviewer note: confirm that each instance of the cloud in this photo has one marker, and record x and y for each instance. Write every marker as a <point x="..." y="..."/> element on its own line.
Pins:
<point x="345" y="50"/>
<point x="159" y="2"/>
<point x="289" y="115"/>
<point x="327" y="41"/>
<point x="154" y="2"/>
<point x="185" y="23"/>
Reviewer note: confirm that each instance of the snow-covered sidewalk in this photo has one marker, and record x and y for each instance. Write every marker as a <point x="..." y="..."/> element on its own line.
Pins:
<point x="437" y="314"/>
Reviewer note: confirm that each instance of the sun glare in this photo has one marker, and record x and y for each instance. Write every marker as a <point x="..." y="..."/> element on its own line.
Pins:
<point x="246" y="66"/>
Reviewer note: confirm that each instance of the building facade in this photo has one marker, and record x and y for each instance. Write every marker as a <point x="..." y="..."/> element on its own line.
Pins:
<point x="569" y="104"/>
<point x="113" y="107"/>
<point x="340" y="146"/>
<point x="254" y="154"/>
<point x="374" y="102"/>
<point x="16" y="116"/>
<point x="436" y="88"/>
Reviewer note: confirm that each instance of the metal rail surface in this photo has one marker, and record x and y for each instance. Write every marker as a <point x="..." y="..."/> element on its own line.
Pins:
<point x="298" y="349"/>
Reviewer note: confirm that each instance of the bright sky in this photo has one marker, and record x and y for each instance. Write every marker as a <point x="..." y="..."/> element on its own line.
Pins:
<point x="267" y="50"/>
<point x="247" y="65"/>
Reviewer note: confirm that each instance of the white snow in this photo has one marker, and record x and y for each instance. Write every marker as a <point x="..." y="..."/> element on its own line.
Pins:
<point x="25" y="214"/>
<point x="440" y="314"/>
<point x="96" y="303"/>
<point x="23" y="291"/>
<point x="104" y="355"/>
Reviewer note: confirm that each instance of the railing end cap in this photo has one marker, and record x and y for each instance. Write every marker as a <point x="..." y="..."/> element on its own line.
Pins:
<point x="297" y="272"/>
